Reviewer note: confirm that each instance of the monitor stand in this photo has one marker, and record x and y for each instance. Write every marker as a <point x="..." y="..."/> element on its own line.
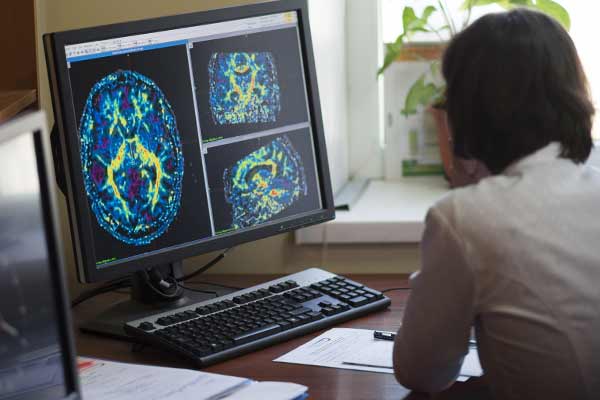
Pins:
<point x="143" y="302"/>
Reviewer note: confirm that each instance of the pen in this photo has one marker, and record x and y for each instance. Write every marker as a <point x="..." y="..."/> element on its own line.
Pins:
<point x="384" y="335"/>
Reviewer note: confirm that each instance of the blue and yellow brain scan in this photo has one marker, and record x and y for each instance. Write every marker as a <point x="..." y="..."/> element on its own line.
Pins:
<point x="244" y="88"/>
<point x="264" y="183"/>
<point x="132" y="157"/>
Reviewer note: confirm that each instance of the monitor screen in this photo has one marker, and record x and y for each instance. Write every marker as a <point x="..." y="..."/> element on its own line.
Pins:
<point x="192" y="134"/>
<point x="32" y="358"/>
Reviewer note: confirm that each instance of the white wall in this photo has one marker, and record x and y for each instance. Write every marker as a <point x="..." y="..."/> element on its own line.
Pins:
<point x="365" y="94"/>
<point x="328" y="26"/>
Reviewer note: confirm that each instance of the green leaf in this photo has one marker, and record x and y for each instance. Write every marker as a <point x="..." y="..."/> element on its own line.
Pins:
<point x="393" y="50"/>
<point x="427" y="13"/>
<point x="408" y="18"/>
<point x="435" y="68"/>
<point x="521" y="3"/>
<point x="476" y="3"/>
<point x="554" y="10"/>
<point x="420" y="94"/>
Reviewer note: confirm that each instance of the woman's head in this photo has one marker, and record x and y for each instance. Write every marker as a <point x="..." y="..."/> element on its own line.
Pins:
<point x="515" y="84"/>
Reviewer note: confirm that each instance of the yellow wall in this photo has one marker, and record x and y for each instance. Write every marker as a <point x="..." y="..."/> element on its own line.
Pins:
<point x="274" y="255"/>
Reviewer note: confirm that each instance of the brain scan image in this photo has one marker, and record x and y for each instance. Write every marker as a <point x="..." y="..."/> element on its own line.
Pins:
<point x="264" y="183"/>
<point x="131" y="157"/>
<point x="244" y="88"/>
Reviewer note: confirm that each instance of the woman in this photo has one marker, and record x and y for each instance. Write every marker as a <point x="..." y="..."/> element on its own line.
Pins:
<point x="517" y="255"/>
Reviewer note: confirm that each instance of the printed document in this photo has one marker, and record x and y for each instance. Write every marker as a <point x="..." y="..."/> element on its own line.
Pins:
<point x="357" y="349"/>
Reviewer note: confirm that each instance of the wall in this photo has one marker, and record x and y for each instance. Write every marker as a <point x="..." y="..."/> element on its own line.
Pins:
<point x="328" y="28"/>
<point x="274" y="255"/>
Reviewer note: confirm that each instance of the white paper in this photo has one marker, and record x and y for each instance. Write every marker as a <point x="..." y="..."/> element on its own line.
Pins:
<point x="107" y="380"/>
<point x="269" y="390"/>
<point x="471" y="366"/>
<point x="334" y="347"/>
<point x="357" y="349"/>
<point x="374" y="353"/>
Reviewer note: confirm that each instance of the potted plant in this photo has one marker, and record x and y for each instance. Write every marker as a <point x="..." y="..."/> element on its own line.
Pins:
<point x="427" y="92"/>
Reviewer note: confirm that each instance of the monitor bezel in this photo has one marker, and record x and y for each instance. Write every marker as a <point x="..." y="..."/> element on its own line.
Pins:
<point x="35" y="124"/>
<point x="79" y="213"/>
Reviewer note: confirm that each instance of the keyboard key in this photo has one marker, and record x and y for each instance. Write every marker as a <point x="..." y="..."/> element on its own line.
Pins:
<point x="338" y="308"/>
<point x="146" y="326"/>
<point x="315" y="315"/>
<point x="290" y="284"/>
<point x="256" y="334"/>
<point x="301" y="310"/>
<point x="358" y="301"/>
<point x="374" y="293"/>
<point x="285" y="325"/>
<point x="202" y="310"/>
<point x="304" y="319"/>
<point x="328" y="311"/>
<point x="163" y="321"/>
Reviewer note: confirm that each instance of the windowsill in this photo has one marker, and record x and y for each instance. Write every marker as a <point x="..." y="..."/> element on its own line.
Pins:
<point x="387" y="212"/>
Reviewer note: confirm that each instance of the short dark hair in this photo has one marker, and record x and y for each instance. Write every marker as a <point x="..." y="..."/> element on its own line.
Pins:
<point x="515" y="84"/>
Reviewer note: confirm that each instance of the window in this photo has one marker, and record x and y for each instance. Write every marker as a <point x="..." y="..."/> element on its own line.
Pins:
<point x="583" y="23"/>
<point x="367" y="136"/>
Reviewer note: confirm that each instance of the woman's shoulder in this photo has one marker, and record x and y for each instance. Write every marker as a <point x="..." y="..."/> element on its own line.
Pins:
<point x="477" y="202"/>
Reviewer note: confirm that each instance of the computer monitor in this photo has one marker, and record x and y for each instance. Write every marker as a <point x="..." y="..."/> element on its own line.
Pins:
<point x="187" y="134"/>
<point x="36" y="353"/>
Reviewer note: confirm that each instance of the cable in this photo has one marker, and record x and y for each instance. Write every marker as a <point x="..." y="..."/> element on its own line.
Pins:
<point x="205" y="268"/>
<point x="396" y="288"/>
<point x="215" y="284"/>
<point x="154" y="276"/>
<point x="124" y="283"/>
<point x="197" y="290"/>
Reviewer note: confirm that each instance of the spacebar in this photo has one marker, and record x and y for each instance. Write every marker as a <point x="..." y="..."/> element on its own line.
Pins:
<point x="257" y="334"/>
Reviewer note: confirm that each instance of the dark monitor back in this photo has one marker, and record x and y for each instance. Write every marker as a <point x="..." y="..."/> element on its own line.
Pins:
<point x="36" y="360"/>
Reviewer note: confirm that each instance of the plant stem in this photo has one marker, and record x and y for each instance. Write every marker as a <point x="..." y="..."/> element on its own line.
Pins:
<point x="469" y="10"/>
<point x="436" y="31"/>
<point x="449" y="21"/>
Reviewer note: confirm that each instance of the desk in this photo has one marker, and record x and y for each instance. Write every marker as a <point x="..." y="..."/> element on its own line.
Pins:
<point x="323" y="383"/>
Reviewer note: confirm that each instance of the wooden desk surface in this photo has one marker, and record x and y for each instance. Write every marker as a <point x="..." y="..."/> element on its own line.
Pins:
<point x="323" y="383"/>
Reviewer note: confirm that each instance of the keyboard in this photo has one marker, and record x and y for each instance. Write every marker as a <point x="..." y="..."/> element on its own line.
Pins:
<point x="251" y="319"/>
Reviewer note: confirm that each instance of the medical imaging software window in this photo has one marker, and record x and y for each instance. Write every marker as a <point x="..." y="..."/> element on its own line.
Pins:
<point x="182" y="140"/>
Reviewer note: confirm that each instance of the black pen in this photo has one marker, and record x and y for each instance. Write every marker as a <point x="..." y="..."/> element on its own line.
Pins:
<point x="384" y="335"/>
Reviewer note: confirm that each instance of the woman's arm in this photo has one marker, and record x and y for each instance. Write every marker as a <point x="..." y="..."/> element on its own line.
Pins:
<point x="434" y="337"/>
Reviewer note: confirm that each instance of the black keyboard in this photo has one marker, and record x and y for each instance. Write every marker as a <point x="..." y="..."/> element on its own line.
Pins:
<point x="254" y="318"/>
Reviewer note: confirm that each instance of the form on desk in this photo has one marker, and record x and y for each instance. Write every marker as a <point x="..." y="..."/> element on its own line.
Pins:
<point x="356" y="349"/>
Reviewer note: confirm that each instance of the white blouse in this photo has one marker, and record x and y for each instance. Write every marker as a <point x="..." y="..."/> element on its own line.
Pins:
<point x="518" y="257"/>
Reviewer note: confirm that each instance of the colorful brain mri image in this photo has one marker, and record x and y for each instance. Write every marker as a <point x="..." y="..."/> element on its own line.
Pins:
<point x="264" y="183"/>
<point x="243" y="88"/>
<point x="132" y="157"/>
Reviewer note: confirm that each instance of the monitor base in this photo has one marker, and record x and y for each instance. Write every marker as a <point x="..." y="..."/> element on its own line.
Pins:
<point x="149" y="297"/>
<point x="111" y="321"/>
